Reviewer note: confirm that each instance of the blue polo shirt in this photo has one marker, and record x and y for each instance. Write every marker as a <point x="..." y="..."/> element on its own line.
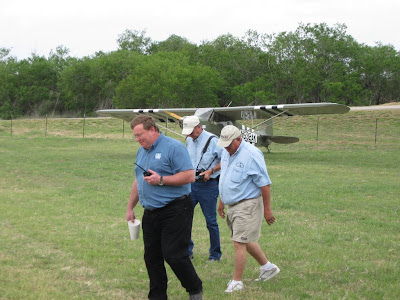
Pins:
<point x="166" y="156"/>
<point x="242" y="174"/>
<point x="195" y="148"/>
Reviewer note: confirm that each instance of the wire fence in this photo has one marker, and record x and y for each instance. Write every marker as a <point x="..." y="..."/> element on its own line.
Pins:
<point x="361" y="128"/>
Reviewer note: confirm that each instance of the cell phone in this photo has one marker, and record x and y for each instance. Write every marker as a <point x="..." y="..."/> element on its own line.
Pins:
<point x="145" y="173"/>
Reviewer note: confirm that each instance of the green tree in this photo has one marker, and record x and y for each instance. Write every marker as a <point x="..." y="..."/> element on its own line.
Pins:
<point x="36" y="83"/>
<point x="8" y="85"/>
<point x="331" y="55"/>
<point x="89" y="83"/>
<point x="380" y="73"/>
<point x="173" y="43"/>
<point x="257" y="92"/>
<point x="4" y="52"/>
<point x="168" y="80"/>
<point x="316" y="63"/>
<point x="7" y="89"/>
<point x="135" y="41"/>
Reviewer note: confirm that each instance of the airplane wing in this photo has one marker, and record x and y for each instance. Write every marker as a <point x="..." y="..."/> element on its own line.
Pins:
<point x="268" y="111"/>
<point x="230" y="113"/>
<point x="162" y="114"/>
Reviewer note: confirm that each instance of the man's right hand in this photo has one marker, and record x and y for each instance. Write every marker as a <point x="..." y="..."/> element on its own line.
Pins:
<point x="130" y="215"/>
<point x="220" y="209"/>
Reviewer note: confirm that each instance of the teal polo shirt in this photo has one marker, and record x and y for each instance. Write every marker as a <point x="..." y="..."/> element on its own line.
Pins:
<point x="166" y="156"/>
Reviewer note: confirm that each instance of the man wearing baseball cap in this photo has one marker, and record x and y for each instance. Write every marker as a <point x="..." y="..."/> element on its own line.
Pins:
<point x="205" y="156"/>
<point x="245" y="189"/>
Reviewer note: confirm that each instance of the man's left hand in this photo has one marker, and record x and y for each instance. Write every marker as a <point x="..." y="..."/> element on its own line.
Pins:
<point x="220" y="209"/>
<point x="269" y="217"/>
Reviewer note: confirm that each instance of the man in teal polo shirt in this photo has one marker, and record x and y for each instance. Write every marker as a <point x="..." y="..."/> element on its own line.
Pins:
<point x="168" y="208"/>
<point x="245" y="188"/>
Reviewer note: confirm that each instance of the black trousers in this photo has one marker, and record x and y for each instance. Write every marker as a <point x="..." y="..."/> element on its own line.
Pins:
<point x="166" y="236"/>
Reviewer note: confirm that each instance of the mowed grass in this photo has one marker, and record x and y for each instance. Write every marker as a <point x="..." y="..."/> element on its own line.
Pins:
<point x="63" y="233"/>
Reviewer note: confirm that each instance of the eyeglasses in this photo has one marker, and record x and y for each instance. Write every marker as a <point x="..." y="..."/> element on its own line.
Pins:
<point x="139" y="135"/>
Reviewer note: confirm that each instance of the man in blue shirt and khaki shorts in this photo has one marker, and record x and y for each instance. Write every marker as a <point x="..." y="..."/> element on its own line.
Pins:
<point x="245" y="189"/>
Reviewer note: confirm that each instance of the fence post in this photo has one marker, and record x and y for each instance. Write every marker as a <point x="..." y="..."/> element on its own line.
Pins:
<point x="84" y="121"/>
<point x="45" y="132"/>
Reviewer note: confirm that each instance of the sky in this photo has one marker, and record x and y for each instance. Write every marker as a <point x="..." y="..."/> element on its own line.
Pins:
<point x="88" y="26"/>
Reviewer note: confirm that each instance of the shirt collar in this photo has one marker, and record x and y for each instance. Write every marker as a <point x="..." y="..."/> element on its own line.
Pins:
<point x="157" y="142"/>
<point x="200" y="137"/>
<point x="239" y="148"/>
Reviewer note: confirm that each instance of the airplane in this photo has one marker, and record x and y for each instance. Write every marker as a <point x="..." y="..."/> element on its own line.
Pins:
<point x="213" y="119"/>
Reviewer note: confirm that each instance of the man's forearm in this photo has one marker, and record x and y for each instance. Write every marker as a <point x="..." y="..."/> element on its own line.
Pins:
<point x="266" y="195"/>
<point x="134" y="197"/>
<point x="180" y="178"/>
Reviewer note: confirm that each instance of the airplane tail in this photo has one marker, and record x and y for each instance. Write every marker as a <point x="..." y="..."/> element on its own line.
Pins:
<point x="266" y="136"/>
<point x="279" y="139"/>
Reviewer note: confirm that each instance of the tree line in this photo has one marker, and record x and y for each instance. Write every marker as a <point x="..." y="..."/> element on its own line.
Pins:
<point x="314" y="63"/>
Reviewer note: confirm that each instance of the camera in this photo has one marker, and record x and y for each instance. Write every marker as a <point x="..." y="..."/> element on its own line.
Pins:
<point x="198" y="176"/>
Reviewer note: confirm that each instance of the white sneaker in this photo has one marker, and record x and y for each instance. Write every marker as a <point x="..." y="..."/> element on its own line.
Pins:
<point x="234" y="286"/>
<point x="269" y="273"/>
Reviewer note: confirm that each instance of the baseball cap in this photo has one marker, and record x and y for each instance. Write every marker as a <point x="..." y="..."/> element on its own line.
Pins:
<point x="228" y="134"/>
<point x="189" y="123"/>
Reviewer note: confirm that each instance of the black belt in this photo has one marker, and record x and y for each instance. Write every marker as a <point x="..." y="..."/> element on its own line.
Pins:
<point x="169" y="204"/>
<point x="180" y="198"/>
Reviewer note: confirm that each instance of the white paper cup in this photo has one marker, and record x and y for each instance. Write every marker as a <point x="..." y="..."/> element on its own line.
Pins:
<point x="134" y="229"/>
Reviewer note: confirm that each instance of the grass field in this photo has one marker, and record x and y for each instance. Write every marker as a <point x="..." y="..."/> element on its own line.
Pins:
<point x="63" y="233"/>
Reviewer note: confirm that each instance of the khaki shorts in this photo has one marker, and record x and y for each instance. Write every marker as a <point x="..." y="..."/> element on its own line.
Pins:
<point x="244" y="219"/>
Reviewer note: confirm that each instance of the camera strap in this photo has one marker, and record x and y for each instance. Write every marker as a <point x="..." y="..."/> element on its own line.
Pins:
<point x="204" y="151"/>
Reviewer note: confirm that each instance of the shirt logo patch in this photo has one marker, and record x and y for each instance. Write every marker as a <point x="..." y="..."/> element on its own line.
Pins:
<point x="239" y="165"/>
<point x="158" y="155"/>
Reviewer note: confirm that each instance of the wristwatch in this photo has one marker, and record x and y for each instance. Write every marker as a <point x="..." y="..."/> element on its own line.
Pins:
<point x="212" y="170"/>
<point x="161" y="182"/>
